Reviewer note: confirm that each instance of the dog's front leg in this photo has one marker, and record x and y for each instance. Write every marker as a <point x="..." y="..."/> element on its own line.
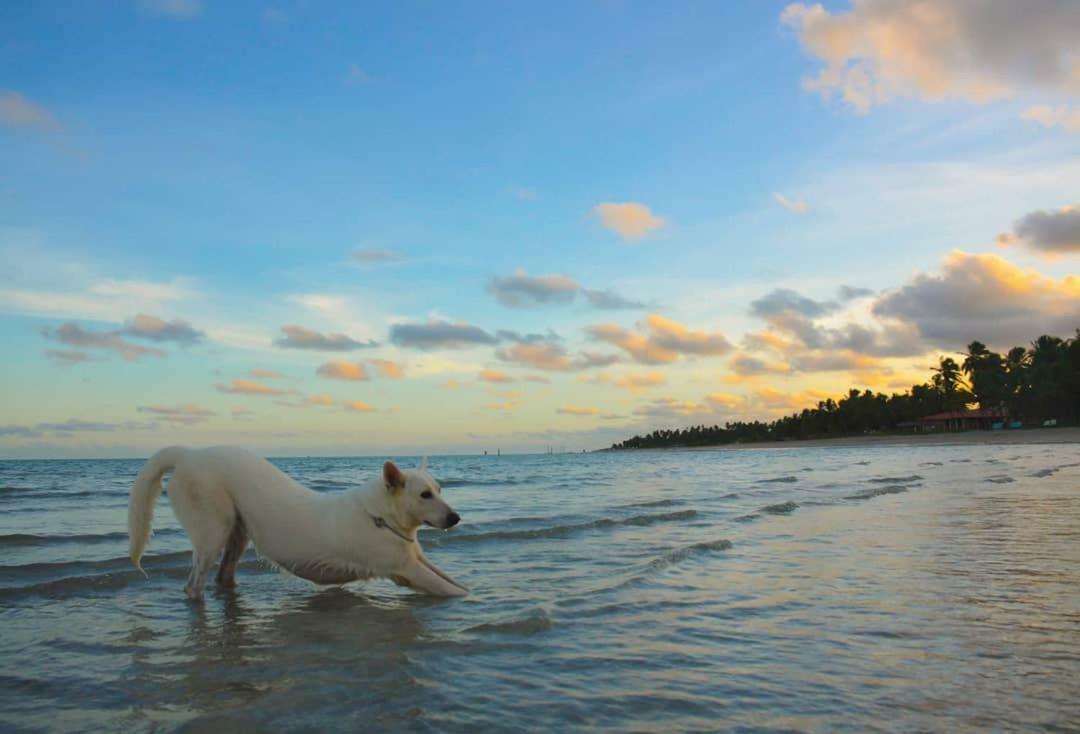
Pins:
<point x="421" y="578"/>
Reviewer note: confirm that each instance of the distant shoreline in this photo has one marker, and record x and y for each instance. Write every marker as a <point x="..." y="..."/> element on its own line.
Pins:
<point x="966" y="438"/>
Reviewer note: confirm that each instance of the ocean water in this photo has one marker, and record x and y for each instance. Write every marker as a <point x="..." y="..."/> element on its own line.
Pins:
<point x="816" y="589"/>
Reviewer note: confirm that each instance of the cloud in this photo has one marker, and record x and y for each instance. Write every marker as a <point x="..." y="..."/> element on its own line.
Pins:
<point x="630" y="220"/>
<point x="664" y="341"/>
<point x="74" y="335"/>
<point x="746" y="365"/>
<point x="340" y="370"/>
<point x="67" y="357"/>
<point x="935" y="50"/>
<point x="174" y="9"/>
<point x="375" y="256"/>
<point x="104" y="300"/>
<point x="850" y="293"/>
<point x="1051" y="232"/>
<point x="984" y="297"/>
<point x="358" y="406"/>
<point x="772" y="398"/>
<point x="437" y="334"/>
<point x="265" y="374"/>
<point x="241" y="413"/>
<point x="537" y="378"/>
<point x="522" y="193"/>
<point x="356" y="75"/>
<point x="506" y="406"/>
<point x="541" y="356"/>
<point x="249" y="387"/>
<point x="609" y="300"/>
<point x="388" y="369"/>
<point x="17" y="111"/>
<point x="633" y="383"/>
<point x="75" y="425"/>
<point x="452" y="385"/>
<point x="576" y="410"/>
<point x="320" y="400"/>
<point x="497" y="376"/>
<point x="299" y="337"/>
<point x="794" y="330"/>
<point x="155" y="329"/>
<point x="522" y="289"/>
<point x="1063" y="116"/>
<point x="548" y="354"/>
<point x="783" y="300"/>
<point x="795" y="206"/>
<point x="667" y="408"/>
<point x="186" y="414"/>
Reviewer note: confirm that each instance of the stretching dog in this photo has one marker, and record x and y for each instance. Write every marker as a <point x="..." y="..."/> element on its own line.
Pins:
<point x="225" y="497"/>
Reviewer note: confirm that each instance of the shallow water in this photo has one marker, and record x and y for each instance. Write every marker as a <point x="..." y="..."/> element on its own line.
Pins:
<point x="815" y="589"/>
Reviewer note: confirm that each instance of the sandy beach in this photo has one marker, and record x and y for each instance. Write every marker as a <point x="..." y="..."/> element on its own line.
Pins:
<point x="966" y="438"/>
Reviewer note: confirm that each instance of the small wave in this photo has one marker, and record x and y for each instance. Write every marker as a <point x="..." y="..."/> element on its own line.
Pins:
<point x="657" y="503"/>
<point x="30" y="539"/>
<point x="83" y="568"/>
<point x="862" y="463"/>
<point x="877" y="492"/>
<point x="931" y="463"/>
<point x="897" y="480"/>
<point x="677" y="555"/>
<point x="536" y="620"/>
<point x="560" y="531"/>
<point x="1001" y="479"/>
<point x="782" y="508"/>
<point x="747" y="518"/>
<point x="479" y="482"/>
<point x="779" y="480"/>
<point x="1045" y="472"/>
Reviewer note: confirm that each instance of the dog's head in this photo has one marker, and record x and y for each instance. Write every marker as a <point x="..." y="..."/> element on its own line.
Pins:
<point x="418" y="496"/>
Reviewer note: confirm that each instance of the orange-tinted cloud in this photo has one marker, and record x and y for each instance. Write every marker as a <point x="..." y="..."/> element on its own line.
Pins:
<point x="576" y="410"/>
<point x="664" y="340"/>
<point x="630" y="220"/>
<point x="938" y="49"/>
<point x="984" y="297"/>
<point x="388" y="369"/>
<point x="497" y="376"/>
<point x="358" y="406"/>
<point x="249" y="387"/>
<point x="340" y="370"/>
<point x="186" y="414"/>
<point x="1067" y="118"/>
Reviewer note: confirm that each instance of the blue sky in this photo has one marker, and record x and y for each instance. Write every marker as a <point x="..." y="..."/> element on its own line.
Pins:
<point x="220" y="165"/>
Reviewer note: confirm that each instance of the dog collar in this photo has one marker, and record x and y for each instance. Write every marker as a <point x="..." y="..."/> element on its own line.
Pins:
<point x="380" y="523"/>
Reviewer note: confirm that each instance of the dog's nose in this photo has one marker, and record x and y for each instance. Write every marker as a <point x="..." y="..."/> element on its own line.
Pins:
<point x="452" y="519"/>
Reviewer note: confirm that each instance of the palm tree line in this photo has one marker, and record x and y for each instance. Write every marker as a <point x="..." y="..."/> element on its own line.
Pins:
<point x="1031" y="384"/>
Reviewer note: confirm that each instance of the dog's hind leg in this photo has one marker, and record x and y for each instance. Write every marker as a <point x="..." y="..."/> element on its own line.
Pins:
<point x="234" y="549"/>
<point x="208" y="515"/>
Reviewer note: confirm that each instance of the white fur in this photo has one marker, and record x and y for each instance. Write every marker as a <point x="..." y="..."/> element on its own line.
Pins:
<point x="224" y="496"/>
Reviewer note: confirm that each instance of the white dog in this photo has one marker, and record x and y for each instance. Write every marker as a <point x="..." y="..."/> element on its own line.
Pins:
<point x="225" y="497"/>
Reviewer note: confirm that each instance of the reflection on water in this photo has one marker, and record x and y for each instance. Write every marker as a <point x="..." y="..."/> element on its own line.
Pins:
<point x="889" y="589"/>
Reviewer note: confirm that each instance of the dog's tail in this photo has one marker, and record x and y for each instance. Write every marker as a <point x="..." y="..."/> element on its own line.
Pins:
<point x="144" y="494"/>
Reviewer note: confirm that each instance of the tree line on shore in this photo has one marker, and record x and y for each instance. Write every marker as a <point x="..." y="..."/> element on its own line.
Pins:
<point x="1031" y="384"/>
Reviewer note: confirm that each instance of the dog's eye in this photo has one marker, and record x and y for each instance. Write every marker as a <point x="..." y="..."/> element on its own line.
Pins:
<point x="426" y="494"/>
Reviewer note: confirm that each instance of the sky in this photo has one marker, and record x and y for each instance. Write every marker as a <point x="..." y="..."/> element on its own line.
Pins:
<point x="401" y="228"/>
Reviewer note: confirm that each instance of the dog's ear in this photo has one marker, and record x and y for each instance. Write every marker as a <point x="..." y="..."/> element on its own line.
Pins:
<point x="395" y="480"/>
